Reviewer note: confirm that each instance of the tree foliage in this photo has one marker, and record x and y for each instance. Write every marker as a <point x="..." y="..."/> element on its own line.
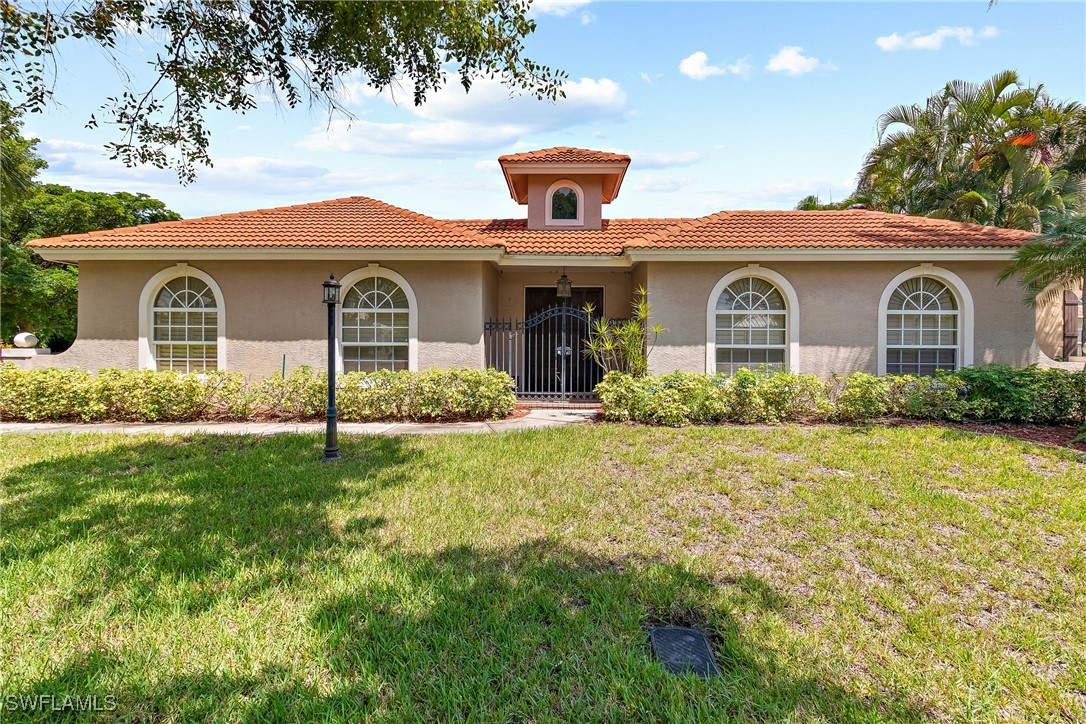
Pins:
<point x="40" y="296"/>
<point x="1053" y="261"/>
<point x="219" y="54"/>
<point x="998" y="153"/>
<point x="19" y="163"/>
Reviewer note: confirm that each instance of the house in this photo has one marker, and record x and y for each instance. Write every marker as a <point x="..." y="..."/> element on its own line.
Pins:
<point x="825" y="292"/>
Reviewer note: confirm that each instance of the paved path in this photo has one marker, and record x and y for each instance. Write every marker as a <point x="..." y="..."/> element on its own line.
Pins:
<point x="533" y="420"/>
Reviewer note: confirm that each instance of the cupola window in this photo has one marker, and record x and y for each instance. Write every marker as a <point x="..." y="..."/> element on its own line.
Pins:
<point x="565" y="204"/>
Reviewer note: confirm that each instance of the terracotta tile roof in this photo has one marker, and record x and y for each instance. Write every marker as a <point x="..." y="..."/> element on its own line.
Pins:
<point x="356" y="221"/>
<point x="360" y="222"/>
<point x="564" y="154"/>
<point x="615" y="235"/>
<point x="847" y="229"/>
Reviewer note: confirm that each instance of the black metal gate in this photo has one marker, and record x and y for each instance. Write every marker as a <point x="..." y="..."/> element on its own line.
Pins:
<point x="545" y="354"/>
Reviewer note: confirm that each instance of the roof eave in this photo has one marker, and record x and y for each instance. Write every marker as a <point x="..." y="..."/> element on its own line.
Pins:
<point x="74" y="254"/>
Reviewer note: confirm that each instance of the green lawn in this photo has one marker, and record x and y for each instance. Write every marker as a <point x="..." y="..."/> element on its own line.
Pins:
<point x="842" y="574"/>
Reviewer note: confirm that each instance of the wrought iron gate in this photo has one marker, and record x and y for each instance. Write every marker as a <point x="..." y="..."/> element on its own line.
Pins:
<point x="545" y="354"/>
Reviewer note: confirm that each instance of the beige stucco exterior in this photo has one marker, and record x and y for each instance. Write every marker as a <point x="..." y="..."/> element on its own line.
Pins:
<point x="591" y="188"/>
<point x="272" y="309"/>
<point x="513" y="282"/>
<point x="838" y="312"/>
<point x="1050" y="322"/>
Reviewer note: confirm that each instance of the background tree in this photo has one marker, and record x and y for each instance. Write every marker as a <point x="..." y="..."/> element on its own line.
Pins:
<point x="996" y="153"/>
<point x="218" y="54"/>
<point x="814" y="203"/>
<point x="40" y="296"/>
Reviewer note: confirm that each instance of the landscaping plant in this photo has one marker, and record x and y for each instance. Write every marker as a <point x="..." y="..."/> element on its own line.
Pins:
<point x="989" y="393"/>
<point x="623" y="345"/>
<point x="149" y="396"/>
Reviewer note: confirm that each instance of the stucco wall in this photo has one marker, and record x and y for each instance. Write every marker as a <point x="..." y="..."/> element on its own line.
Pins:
<point x="838" y="314"/>
<point x="591" y="186"/>
<point x="512" y="283"/>
<point x="273" y="308"/>
<point x="1050" y="324"/>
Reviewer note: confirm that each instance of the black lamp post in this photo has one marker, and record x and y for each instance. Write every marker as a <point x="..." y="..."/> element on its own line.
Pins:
<point x="331" y="435"/>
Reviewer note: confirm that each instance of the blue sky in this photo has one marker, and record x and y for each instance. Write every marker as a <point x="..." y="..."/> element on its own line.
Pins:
<point x="721" y="105"/>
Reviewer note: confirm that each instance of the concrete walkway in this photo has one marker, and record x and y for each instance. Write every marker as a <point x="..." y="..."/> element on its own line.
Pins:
<point x="533" y="420"/>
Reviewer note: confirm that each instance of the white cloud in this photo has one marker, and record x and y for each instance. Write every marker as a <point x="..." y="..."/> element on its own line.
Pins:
<point x="664" y="159"/>
<point x="560" y="8"/>
<point x="660" y="183"/>
<point x="490" y="165"/>
<point x="242" y="128"/>
<point x="791" y="60"/>
<point x="934" y="40"/>
<point x="453" y="122"/>
<point x="741" y="67"/>
<point x="419" y="140"/>
<point x="697" y="66"/>
<point x="247" y="181"/>
<point x="586" y="100"/>
<point x="587" y="18"/>
<point x="58" y="145"/>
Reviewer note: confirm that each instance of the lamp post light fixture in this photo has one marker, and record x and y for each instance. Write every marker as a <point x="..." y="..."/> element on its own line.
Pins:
<point x="331" y="434"/>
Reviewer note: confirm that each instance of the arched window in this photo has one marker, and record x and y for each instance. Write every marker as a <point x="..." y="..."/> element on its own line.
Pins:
<point x="377" y="325"/>
<point x="181" y="327"/>
<point x="922" y="328"/>
<point x="565" y="204"/>
<point x="751" y="326"/>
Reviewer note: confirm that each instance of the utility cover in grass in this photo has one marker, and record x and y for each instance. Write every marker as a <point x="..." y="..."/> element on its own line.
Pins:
<point x="683" y="651"/>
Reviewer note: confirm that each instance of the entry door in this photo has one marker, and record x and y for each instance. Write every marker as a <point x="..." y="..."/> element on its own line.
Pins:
<point x="536" y="299"/>
<point x="554" y="363"/>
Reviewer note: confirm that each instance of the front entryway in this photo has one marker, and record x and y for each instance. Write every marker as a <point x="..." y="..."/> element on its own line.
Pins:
<point x="545" y="353"/>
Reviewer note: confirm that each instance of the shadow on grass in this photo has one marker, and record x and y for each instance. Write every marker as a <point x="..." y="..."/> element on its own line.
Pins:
<point x="165" y="516"/>
<point x="538" y="631"/>
<point x="534" y="632"/>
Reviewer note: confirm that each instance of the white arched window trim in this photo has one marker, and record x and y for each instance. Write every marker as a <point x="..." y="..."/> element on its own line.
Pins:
<point x="147" y="300"/>
<point x="551" y="221"/>
<point x="961" y="295"/>
<point x="374" y="270"/>
<point x="791" y="362"/>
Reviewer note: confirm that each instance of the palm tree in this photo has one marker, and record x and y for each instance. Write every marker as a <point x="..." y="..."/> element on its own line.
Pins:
<point x="995" y="153"/>
<point x="1051" y="262"/>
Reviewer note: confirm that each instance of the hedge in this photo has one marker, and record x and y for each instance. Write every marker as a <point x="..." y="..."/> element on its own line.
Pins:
<point x="147" y="396"/>
<point x="992" y="392"/>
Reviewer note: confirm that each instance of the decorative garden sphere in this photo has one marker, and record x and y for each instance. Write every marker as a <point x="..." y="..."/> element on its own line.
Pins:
<point x="26" y="340"/>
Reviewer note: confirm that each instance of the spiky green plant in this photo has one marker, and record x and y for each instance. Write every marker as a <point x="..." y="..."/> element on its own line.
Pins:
<point x="623" y="345"/>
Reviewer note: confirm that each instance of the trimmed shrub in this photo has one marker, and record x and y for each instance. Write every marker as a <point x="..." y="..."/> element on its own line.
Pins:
<point x="983" y="393"/>
<point x="301" y="394"/>
<point x="794" y="397"/>
<point x="435" y="394"/>
<point x="999" y="392"/>
<point x="928" y="398"/>
<point x="860" y="397"/>
<point x="147" y="396"/>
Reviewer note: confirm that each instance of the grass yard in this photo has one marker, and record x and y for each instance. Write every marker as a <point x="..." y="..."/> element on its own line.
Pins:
<point x="843" y="574"/>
